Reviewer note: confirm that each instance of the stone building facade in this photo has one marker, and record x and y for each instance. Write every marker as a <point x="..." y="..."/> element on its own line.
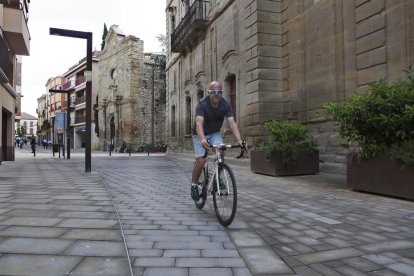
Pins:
<point x="282" y="59"/>
<point x="130" y="87"/>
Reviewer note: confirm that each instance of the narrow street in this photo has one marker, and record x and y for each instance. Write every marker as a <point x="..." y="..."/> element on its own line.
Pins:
<point x="52" y="213"/>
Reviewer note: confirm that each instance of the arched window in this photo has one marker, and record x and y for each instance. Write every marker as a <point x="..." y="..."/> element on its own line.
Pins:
<point x="200" y="95"/>
<point x="173" y="121"/>
<point x="231" y="84"/>
<point x="188" y="115"/>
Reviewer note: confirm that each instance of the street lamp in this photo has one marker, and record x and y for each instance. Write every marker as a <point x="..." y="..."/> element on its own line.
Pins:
<point x="88" y="37"/>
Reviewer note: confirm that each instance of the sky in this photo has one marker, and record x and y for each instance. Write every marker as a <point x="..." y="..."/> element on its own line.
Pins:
<point x="52" y="56"/>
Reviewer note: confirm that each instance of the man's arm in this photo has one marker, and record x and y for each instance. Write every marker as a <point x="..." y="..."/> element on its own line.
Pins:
<point x="200" y="131"/>
<point x="234" y="129"/>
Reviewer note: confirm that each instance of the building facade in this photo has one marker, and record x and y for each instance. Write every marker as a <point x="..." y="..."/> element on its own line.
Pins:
<point x="73" y="84"/>
<point x="54" y="105"/>
<point x="14" y="41"/>
<point x="75" y="81"/>
<point x="282" y="60"/>
<point x="130" y="84"/>
<point x="29" y="122"/>
<point x="42" y="111"/>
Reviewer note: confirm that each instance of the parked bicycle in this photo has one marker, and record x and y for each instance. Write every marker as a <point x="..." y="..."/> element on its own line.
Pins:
<point x="221" y="183"/>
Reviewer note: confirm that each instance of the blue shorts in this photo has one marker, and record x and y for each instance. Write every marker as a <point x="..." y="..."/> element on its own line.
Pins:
<point x="215" y="138"/>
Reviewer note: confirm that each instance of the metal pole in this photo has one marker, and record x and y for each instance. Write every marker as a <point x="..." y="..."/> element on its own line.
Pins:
<point x="88" y="37"/>
<point x="88" y="147"/>
<point x="152" y="109"/>
<point x="68" y="126"/>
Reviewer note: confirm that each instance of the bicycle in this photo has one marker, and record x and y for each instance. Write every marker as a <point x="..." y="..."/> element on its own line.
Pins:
<point x="220" y="183"/>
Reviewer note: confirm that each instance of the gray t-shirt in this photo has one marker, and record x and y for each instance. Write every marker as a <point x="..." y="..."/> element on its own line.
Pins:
<point x="213" y="117"/>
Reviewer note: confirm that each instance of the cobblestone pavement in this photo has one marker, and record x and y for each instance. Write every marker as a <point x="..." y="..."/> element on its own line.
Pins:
<point x="57" y="220"/>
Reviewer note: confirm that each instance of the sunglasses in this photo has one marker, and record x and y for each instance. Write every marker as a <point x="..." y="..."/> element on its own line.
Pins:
<point x="216" y="91"/>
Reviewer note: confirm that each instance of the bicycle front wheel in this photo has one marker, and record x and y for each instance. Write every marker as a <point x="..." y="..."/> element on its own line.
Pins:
<point x="225" y="203"/>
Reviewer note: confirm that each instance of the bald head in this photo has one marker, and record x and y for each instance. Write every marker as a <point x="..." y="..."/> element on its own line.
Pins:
<point x="215" y="85"/>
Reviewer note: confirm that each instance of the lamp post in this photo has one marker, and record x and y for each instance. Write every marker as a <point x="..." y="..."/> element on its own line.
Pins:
<point x="88" y="37"/>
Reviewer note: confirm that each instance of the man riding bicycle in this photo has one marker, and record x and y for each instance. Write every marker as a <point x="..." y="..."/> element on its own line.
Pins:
<point x="210" y="114"/>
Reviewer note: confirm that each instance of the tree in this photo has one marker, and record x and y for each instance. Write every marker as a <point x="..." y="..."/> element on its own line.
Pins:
<point x="163" y="41"/>
<point x="21" y="131"/>
<point x="161" y="62"/>
<point x="105" y="33"/>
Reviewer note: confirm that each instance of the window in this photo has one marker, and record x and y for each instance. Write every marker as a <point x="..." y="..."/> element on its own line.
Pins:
<point x="31" y="124"/>
<point x="200" y="95"/>
<point x="231" y="84"/>
<point x="172" y="23"/>
<point x="188" y="116"/>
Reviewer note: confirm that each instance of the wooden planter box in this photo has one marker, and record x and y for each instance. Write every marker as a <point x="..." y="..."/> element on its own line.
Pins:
<point x="380" y="175"/>
<point x="307" y="163"/>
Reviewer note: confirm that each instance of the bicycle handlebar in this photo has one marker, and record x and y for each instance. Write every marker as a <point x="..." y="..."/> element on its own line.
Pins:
<point x="224" y="147"/>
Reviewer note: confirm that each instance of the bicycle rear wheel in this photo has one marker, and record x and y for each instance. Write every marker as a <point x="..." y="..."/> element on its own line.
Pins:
<point x="202" y="189"/>
<point x="225" y="204"/>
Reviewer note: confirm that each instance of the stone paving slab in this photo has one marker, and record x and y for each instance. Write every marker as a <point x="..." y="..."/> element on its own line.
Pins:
<point x="33" y="232"/>
<point x="18" y="264"/>
<point x="34" y="245"/>
<point x="102" y="266"/>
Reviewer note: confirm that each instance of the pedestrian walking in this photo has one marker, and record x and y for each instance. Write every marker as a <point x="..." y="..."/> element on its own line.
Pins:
<point x="33" y="144"/>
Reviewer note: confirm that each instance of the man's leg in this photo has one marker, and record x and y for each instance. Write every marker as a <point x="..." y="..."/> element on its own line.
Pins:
<point x="198" y="166"/>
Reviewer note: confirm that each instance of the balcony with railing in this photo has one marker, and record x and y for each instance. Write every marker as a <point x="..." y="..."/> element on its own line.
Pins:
<point x="80" y="100"/>
<point x="74" y="83"/>
<point x="80" y="80"/>
<point x="68" y="85"/>
<point x="191" y="27"/>
<point x="15" y="29"/>
<point x="80" y="119"/>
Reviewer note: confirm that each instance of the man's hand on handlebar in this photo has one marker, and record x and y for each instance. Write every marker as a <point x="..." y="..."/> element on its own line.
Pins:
<point x="205" y="143"/>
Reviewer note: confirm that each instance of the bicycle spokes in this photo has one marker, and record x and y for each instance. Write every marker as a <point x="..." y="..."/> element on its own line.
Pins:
<point x="225" y="199"/>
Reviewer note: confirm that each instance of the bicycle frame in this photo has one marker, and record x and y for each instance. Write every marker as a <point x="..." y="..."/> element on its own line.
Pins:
<point x="218" y="160"/>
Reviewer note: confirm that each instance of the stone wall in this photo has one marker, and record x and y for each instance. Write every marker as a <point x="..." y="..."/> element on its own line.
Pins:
<point x="290" y="57"/>
<point x="125" y="93"/>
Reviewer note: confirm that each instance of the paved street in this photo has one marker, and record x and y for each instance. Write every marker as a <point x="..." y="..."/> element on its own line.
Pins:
<point x="133" y="215"/>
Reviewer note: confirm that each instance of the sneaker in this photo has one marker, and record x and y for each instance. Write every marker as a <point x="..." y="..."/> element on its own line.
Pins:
<point x="194" y="192"/>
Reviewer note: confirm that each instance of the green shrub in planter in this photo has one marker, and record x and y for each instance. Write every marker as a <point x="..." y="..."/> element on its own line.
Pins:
<point x="288" y="140"/>
<point x="381" y="120"/>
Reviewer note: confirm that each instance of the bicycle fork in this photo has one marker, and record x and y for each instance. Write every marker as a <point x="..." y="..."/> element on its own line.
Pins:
<point x="215" y="176"/>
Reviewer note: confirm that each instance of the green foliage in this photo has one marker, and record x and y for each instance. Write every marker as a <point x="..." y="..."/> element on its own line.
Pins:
<point x="161" y="62"/>
<point x="162" y="39"/>
<point x="104" y="34"/>
<point x="288" y="140"/>
<point x="381" y="121"/>
<point x="21" y="131"/>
